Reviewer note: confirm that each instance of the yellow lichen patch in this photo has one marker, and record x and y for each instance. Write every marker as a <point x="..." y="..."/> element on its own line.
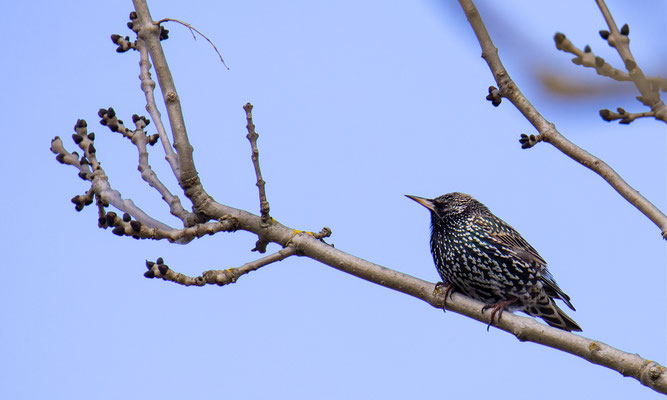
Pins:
<point x="438" y="288"/>
<point x="594" y="347"/>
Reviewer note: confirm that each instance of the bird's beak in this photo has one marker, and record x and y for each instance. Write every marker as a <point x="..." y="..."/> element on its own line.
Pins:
<point x="424" y="202"/>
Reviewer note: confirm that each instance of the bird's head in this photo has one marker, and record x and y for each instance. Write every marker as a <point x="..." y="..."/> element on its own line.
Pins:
<point x="450" y="205"/>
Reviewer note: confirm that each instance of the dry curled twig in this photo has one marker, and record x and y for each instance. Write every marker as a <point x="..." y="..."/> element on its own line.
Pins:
<point x="192" y="28"/>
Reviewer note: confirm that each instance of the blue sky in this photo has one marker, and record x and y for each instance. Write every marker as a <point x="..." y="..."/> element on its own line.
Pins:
<point x="356" y="105"/>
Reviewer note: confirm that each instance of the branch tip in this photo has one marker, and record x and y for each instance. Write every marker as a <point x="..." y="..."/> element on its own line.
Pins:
<point x="264" y="206"/>
<point x="559" y="38"/>
<point x="214" y="277"/>
<point x="494" y="96"/>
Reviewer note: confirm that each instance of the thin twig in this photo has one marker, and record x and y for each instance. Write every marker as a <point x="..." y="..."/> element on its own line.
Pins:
<point x="624" y="116"/>
<point x="127" y="227"/>
<point x="650" y="95"/>
<point x="192" y="28"/>
<point x="587" y="58"/>
<point x="143" y="226"/>
<point x="188" y="179"/>
<point x="215" y="277"/>
<point x="261" y="184"/>
<point x="139" y="138"/>
<point x="99" y="180"/>
<point x="549" y="133"/>
<point x="148" y="87"/>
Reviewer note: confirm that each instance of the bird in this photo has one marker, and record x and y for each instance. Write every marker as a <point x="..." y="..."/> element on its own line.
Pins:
<point x="483" y="257"/>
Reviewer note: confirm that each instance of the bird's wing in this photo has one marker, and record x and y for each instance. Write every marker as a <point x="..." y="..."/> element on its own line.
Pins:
<point x="514" y="242"/>
<point x="510" y="238"/>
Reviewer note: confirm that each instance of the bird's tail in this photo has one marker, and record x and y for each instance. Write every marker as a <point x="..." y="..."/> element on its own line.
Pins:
<point x="545" y="307"/>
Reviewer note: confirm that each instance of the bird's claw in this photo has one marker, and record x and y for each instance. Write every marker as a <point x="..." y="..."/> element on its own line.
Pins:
<point x="448" y="290"/>
<point x="498" y="308"/>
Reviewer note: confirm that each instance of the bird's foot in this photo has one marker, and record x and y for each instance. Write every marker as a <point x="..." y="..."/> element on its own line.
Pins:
<point x="497" y="308"/>
<point x="448" y="290"/>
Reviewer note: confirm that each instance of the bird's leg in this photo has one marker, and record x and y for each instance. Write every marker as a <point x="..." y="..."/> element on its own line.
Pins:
<point x="497" y="308"/>
<point x="448" y="289"/>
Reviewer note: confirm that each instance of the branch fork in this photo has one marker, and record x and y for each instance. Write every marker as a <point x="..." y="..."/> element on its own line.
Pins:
<point x="209" y="216"/>
<point x="649" y="88"/>
<point x="547" y="130"/>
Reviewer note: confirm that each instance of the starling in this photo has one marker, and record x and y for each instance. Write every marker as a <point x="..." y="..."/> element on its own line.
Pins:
<point x="481" y="256"/>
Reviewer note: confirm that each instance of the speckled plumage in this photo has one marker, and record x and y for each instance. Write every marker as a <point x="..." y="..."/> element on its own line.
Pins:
<point x="481" y="256"/>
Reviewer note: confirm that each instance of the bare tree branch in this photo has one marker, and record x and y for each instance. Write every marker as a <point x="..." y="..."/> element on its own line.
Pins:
<point x="650" y="94"/>
<point x="143" y="226"/>
<point x="619" y="39"/>
<point x="261" y="185"/>
<point x="148" y="87"/>
<point x="99" y="181"/>
<point x="140" y="139"/>
<point x="312" y="245"/>
<point x="221" y="277"/>
<point x="149" y="32"/>
<point x="588" y="59"/>
<point x="548" y="130"/>
<point x="623" y="116"/>
<point x="648" y="372"/>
